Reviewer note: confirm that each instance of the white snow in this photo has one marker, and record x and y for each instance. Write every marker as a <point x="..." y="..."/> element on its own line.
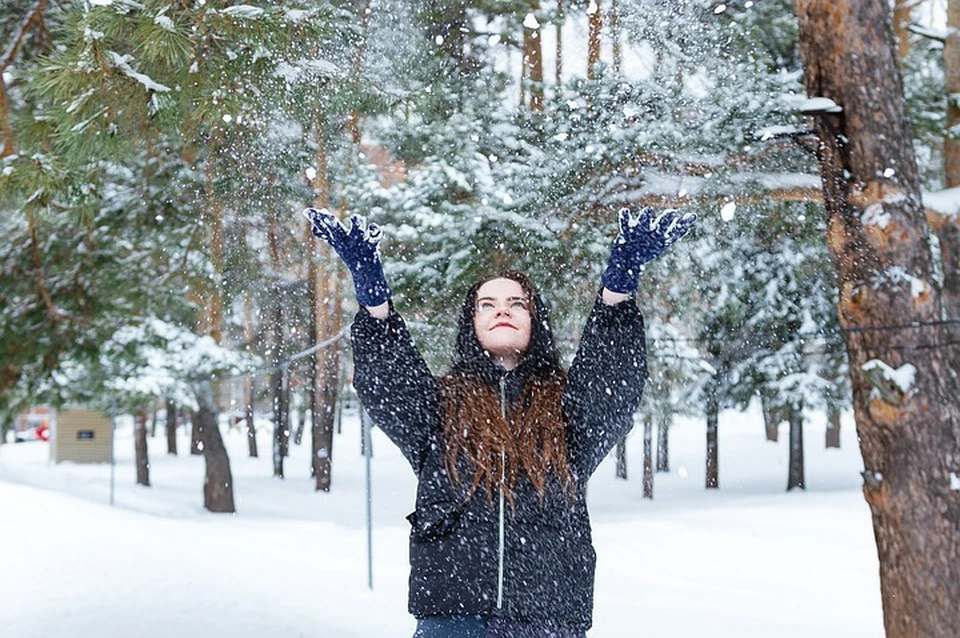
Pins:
<point x="945" y="202"/>
<point x="819" y="105"/>
<point x="243" y="11"/>
<point x="122" y="62"/>
<point x="727" y="211"/>
<point x="747" y="560"/>
<point x="902" y="377"/>
<point x="954" y="482"/>
<point x="875" y="215"/>
<point x="530" y="21"/>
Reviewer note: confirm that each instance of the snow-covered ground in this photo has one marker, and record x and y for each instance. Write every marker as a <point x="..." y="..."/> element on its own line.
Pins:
<point x="747" y="560"/>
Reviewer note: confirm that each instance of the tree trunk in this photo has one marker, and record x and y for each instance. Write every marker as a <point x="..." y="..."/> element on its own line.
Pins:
<point x="648" y="457"/>
<point x="153" y="423"/>
<point x="593" y="38"/>
<point x="301" y="424"/>
<point x="713" y="444"/>
<point x="533" y="62"/>
<point x="559" y="66"/>
<point x="325" y="323"/>
<point x="621" y="454"/>
<point x="795" y="477"/>
<point x="949" y="232"/>
<point x="902" y="17"/>
<point x="285" y="415"/>
<point x="832" y="436"/>
<point x="663" y="443"/>
<point x="771" y="419"/>
<point x="615" y="36"/>
<point x="196" y="442"/>
<point x="277" y="378"/>
<point x="878" y="240"/>
<point x="140" y="447"/>
<point x="218" y="480"/>
<point x="171" y="423"/>
<point x="251" y="427"/>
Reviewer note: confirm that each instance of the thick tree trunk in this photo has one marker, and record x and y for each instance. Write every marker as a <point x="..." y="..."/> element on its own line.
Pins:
<point x="171" y="424"/>
<point x="772" y="418"/>
<point x="621" y="456"/>
<point x="904" y="397"/>
<point x="648" y="457"/>
<point x="832" y="434"/>
<point x="140" y="447"/>
<point x="533" y="62"/>
<point x="795" y="476"/>
<point x="593" y="38"/>
<point x="713" y="443"/>
<point x="218" y="480"/>
<point x="663" y="443"/>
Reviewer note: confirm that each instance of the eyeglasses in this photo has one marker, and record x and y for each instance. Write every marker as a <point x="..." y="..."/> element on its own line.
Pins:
<point x="514" y="304"/>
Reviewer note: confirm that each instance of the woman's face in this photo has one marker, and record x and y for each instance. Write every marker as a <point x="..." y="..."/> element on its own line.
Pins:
<point x="502" y="320"/>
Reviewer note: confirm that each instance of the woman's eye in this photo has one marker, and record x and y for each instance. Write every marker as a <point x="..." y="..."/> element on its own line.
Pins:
<point x="519" y="305"/>
<point x="485" y="305"/>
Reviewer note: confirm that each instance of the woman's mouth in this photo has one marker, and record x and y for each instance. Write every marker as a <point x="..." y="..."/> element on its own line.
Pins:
<point x="503" y="324"/>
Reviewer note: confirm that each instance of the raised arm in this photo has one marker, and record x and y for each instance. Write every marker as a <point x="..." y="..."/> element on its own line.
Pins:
<point x="606" y="379"/>
<point x="391" y="378"/>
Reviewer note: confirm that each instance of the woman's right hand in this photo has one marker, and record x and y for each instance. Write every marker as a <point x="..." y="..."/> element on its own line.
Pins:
<point x="359" y="249"/>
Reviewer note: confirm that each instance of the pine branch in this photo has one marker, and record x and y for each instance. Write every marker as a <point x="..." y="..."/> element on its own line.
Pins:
<point x="34" y="16"/>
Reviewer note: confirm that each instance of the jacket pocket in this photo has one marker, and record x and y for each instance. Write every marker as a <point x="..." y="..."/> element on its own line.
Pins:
<point x="434" y="521"/>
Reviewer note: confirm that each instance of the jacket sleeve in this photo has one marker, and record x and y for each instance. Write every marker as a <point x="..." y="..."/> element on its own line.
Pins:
<point x="604" y="384"/>
<point x="394" y="383"/>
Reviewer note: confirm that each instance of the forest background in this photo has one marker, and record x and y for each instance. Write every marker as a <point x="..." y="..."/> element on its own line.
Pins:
<point x="156" y="156"/>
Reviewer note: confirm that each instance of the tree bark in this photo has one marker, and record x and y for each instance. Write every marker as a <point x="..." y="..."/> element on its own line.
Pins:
<point x="663" y="443"/>
<point x="196" y="442"/>
<point x="795" y="475"/>
<point x="140" y="447"/>
<point x="277" y="378"/>
<point x="832" y="435"/>
<point x="171" y="425"/>
<point x="713" y="443"/>
<point x="621" y="455"/>
<point x="153" y="423"/>
<point x="533" y="62"/>
<point x="902" y="17"/>
<point x="252" y="450"/>
<point x="559" y="66"/>
<point x="648" y="457"/>
<point x="593" y="38"/>
<point x="949" y="232"/>
<point x="878" y="239"/>
<point x="772" y="418"/>
<point x="615" y="36"/>
<point x="326" y="319"/>
<point x="218" y="480"/>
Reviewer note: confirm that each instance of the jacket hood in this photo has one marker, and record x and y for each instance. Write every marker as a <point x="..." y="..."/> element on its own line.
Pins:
<point x="470" y="359"/>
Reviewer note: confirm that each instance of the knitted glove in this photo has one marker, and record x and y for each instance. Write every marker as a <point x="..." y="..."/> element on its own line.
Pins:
<point x="358" y="247"/>
<point x="642" y="239"/>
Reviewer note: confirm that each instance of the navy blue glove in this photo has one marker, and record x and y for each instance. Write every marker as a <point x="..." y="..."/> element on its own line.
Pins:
<point x="642" y="239"/>
<point x="359" y="249"/>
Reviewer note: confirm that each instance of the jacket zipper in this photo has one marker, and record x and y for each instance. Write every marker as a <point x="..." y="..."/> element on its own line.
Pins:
<point x="503" y="478"/>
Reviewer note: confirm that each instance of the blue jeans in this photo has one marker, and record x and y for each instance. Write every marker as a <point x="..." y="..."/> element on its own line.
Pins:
<point x="473" y="627"/>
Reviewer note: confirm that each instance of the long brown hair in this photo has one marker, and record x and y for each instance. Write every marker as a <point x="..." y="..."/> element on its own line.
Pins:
<point x="530" y="439"/>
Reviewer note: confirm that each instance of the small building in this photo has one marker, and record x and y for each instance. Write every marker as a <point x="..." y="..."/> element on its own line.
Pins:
<point x="81" y="435"/>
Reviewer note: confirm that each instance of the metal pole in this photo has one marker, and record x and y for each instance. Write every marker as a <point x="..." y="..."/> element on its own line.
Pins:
<point x="113" y="444"/>
<point x="365" y="424"/>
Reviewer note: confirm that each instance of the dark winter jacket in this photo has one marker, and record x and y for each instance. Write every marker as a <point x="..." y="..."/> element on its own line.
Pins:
<point x="549" y="560"/>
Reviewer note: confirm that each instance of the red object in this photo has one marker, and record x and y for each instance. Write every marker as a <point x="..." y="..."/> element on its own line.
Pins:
<point x="43" y="432"/>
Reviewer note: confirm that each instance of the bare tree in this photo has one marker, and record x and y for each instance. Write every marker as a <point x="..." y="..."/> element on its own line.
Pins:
<point x="904" y="387"/>
<point x="594" y="38"/>
<point x="140" y="447"/>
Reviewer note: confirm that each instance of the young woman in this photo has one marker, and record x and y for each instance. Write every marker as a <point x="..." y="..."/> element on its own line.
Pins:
<point x="504" y="442"/>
